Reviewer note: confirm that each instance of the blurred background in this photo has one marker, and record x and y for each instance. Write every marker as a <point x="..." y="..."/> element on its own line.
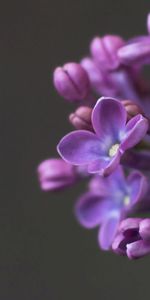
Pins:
<point x="44" y="253"/>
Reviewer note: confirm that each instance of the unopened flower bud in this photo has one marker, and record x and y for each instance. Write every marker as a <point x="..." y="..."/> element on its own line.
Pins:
<point x="148" y="23"/>
<point x="55" y="174"/>
<point x="132" y="108"/>
<point x="72" y="82"/>
<point x="136" y="51"/>
<point x="81" y="118"/>
<point x="104" y="51"/>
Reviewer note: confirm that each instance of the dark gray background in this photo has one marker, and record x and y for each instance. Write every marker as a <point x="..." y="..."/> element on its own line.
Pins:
<point x="44" y="253"/>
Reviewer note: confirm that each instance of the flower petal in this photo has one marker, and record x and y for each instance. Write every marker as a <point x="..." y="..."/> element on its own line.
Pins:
<point x="104" y="167"/>
<point x="135" y="130"/>
<point x="108" y="231"/>
<point x="79" y="147"/>
<point x="108" y="118"/>
<point x="137" y="186"/>
<point x="91" y="209"/>
<point x="138" y="249"/>
<point x="119" y="244"/>
<point x="108" y="186"/>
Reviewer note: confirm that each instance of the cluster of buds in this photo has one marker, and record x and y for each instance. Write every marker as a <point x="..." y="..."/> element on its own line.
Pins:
<point x="110" y="143"/>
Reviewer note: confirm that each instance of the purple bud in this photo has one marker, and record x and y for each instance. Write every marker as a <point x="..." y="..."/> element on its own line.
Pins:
<point x="55" y="174"/>
<point x="132" y="108"/>
<point x="72" y="82"/>
<point x="81" y="118"/>
<point x="148" y="23"/>
<point x="104" y="51"/>
<point x="137" y="51"/>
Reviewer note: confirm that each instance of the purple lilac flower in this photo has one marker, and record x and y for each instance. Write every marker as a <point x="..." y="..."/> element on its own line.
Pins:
<point x="133" y="238"/>
<point x="55" y="174"/>
<point x="101" y="151"/>
<point x="105" y="138"/>
<point x="108" y="201"/>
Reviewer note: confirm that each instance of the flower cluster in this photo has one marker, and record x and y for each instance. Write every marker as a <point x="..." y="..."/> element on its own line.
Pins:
<point x="110" y="143"/>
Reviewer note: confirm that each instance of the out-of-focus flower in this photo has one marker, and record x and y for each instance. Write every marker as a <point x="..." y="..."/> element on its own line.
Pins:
<point x="81" y="118"/>
<point x="108" y="201"/>
<point x="136" y="51"/>
<point x="102" y="150"/>
<point x="71" y="82"/>
<point x="55" y="174"/>
<point x="148" y="23"/>
<point x="104" y="51"/>
<point x="133" y="238"/>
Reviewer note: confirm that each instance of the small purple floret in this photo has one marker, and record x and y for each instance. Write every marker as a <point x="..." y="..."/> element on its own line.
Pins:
<point x="101" y="151"/>
<point x="109" y="200"/>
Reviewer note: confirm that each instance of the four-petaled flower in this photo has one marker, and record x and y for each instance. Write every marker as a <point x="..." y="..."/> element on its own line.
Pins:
<point x="101" y="151"/>
<point x="108" y="201"/>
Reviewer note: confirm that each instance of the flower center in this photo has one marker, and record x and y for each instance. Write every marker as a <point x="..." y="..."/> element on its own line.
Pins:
<point x="113" y="150"/>
<point x="126" y="200"/>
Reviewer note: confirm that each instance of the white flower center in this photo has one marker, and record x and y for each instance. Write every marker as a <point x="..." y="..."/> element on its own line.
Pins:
<point x="126" y="200"/>
<point x="113" y="150"/>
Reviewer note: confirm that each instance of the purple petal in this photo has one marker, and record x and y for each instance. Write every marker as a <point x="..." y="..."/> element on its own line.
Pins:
<point x="105" y="167"/>
<point x="108" y="118"/>
<point x="138" y="249"/>
<point x="55" y="185"/>
<point x="137" y="186"/>
<point x="106" y="186"/>
<point x="135" y="130"/>
<point x="79" y="147"/>
<point x="91" y="209"/>
<point x="108" y="231"/>
<point x="129" y="224"/>
<point x="144" y="229"/>
<point x="119" y="244"/>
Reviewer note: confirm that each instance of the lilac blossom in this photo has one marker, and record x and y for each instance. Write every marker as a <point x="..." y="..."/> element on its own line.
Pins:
<point x="108" y="201"/>
<point x="112" y="138"/>
<point x="133" y="238"/>
<point x="102" y="150"/>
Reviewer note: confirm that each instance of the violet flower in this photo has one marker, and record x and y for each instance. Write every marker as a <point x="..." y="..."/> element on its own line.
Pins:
<point x="133" y="238"/>
<point x="101" y="151"/>
<point x="108" y="201"/>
